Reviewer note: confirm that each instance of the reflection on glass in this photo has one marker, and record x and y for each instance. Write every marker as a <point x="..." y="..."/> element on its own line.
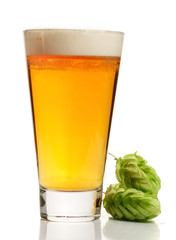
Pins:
<point x="70" y="231"/>
<point x="122" y="230"/>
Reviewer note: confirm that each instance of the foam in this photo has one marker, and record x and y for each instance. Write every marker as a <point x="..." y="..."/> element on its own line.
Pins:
<point x="73" y="42"/>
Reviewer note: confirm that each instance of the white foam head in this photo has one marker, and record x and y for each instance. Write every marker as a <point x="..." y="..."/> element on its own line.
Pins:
<point x="73" y="42"/>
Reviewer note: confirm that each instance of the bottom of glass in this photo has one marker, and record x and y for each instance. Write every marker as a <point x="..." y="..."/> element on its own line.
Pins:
<point x="63" y="206"/>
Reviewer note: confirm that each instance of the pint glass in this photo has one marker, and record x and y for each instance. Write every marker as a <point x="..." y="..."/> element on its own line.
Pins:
<point x="72" y="78"/>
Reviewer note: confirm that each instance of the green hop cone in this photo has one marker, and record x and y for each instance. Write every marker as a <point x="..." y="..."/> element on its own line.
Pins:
<point x="130" y="204"/>
<point x="132" y="171"/>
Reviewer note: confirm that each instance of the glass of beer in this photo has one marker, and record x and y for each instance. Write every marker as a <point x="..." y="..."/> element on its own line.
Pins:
<point x="72" y="79"/>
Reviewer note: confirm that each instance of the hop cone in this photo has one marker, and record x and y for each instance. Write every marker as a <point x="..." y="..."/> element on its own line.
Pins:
<point x="132" y="171"/>
<point x="130" y="203"/>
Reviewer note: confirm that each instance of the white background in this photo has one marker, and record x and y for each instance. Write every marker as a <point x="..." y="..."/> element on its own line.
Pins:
<point x="144" y="116"/>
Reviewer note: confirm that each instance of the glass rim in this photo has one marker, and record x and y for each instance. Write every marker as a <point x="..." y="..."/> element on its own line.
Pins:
<point x="72" y="30"/>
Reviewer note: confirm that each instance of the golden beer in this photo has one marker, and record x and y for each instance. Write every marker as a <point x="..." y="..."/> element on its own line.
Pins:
<point x="72" y="99"/>
<point x="72" y="78"/>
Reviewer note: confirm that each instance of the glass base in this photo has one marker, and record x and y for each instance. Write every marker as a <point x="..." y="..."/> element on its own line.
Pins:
<point x="63" y="206"/>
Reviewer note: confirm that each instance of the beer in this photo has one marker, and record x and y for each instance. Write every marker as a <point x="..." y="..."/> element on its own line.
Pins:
<point x="72" y="100"/>
<point x="72" y="78"/>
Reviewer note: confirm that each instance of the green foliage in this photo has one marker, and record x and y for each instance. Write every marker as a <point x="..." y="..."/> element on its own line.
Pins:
<point x="130" y="203"/>
<point x="135" y="197"/>
<point x="132" y="171"/>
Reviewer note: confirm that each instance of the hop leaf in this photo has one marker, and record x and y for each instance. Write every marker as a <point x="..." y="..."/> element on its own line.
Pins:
<point x="132" y="171"/>
<point x="130" y="203"/>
